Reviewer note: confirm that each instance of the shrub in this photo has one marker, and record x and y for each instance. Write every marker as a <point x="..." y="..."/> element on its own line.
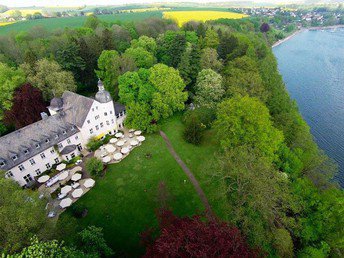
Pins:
<point x="94" y="166"/>
<point x="94" y="144"/>
<point x="78" y="210"/>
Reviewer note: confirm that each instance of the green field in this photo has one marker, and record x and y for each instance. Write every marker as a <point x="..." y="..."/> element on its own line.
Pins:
<point x="72" y="22"/>
<point x="125" y="200"/>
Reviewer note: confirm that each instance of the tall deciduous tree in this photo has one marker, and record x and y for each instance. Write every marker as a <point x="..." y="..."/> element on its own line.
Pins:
<point x="10" y="79"/>
<point x="141" y="57"/>
<point x="209" y="60"/>
<point x="49" y="77"/>
<point x="209" y="89"/>
<point x="211" y="39"/>
<point x="245" y="121"/>
<point x="146" y="43"/>
<point x="27" y="105"/>
<point x="22" y="215"/>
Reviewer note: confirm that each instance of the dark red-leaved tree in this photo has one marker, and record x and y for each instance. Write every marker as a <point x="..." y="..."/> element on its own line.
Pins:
<point x="264" y="27"/>
<point x="27" y="106"/>
<point x="193" y="237"/>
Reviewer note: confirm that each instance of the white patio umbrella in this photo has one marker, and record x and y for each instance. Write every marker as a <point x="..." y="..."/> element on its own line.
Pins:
<point x="76" y="169"/>
<point x="110" y="148"/>
<point x="77" y="193"/>
<point x="118" y="156"/>
<point x="113" y="140"/>
<point x="89" y="183"/>
<point x="106" y="159"/>
<point x="119" y="135"/>
<point x="66" y="189"/>
<point x="137" y="133"/>
<point x="120" y="143"/>
<point x="61" y="166"/>
<point x="131" y="130"/>
<point x="66" y="203"/>
<point x="43" y="179"/>
<point x="63" y="175"/>
<point x="134" y="143"/>
<point x="125" y="150"/>
<point x="76" y="177"/>
<point x="141" y="138"/>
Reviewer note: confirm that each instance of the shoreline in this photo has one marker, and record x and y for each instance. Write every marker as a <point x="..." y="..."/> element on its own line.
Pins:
<point x="304" y="29"/>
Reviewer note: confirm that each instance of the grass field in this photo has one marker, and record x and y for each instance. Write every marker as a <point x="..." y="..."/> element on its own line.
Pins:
<point x="72" y="22"/>
<point x="184" y="16"/>
<point x="125" y="200"/>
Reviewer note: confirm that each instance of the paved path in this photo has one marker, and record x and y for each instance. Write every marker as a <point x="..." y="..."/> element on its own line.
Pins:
<point x="209" y="212"/>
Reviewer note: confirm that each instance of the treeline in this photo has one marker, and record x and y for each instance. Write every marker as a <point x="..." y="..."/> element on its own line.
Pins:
<point x="277" y="181"/>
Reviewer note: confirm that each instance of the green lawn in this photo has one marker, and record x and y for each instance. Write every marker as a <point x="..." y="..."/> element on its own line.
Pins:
<point x="125" y="200"/>
<point x="72" y="22"/>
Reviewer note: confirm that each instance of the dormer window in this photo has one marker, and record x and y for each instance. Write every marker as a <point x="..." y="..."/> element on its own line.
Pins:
<point x="37" y="145"/>
<point x="47" y="140"/>
<point x="2" y="164"/>
<point x="15" y="157"/>
<point x="73" y="128"/>
<point x="56" y="136"/>
<point x="64" y="132"/>
<point x="26" y="151"/>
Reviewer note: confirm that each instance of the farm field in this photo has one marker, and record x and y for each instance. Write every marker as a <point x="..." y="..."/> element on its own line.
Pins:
<point x="184" y="16"/>
<point x="72" y="22"/>
<point x="5" y="23"/>
<point x="24" y="12"/>
<point x="125" y="200"/>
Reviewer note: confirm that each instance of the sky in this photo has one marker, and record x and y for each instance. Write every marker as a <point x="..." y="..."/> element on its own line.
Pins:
<point x="22" y="3"/>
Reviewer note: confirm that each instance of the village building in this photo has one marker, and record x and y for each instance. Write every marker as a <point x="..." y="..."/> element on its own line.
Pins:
<point x="74" y="119"/>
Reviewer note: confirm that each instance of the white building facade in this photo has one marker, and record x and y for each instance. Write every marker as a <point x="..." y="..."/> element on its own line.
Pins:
<point x="74" y="119"/>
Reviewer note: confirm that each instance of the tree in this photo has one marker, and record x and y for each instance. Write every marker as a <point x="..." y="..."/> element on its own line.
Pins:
<point x="27" y="106"/>
<point x="146" y="43"/>
<point x="141" y="57"/>
<point x="92" y="22"/>
<point x="228" y="42"/>
<point x="209" y="89"/>
<point x="158" y="92"/>
<point x="94" y="166"/>
<point x="22" y="215"/>
<point x="10" y="79"/>
<point x="211" y="39"/>
<point x="264" y="27"/>
<point x="91" y="241"/>
<point x="109" y="69"/>
<point x="171" y="47"/>
<point x="192" y="237"/>
<point x="49" y="77"/>
<point x="209" y="60"/>
<point x="245" y="121"/>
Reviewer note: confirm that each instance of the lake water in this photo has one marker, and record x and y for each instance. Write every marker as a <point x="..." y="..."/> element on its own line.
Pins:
<point x="312" y="66"/>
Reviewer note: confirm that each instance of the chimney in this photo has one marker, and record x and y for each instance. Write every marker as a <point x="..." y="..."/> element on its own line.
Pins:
<point x="44" y="115"/>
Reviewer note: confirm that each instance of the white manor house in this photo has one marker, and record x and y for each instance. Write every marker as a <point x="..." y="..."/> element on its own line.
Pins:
<point x="73" y="120"/>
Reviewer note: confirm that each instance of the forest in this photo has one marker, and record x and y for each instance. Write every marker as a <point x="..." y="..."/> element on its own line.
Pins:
<point x="221" y="76"/>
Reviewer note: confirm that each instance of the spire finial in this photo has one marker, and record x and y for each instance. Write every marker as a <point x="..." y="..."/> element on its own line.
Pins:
<point x="100" y="85"/>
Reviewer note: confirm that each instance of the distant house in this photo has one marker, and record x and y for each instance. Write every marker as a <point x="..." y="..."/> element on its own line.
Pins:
<point x="73" y="120"/>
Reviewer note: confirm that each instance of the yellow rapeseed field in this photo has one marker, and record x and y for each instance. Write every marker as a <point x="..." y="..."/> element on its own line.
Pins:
<point x="5" y="23"/>
<point x="24" y="12"/>
<point x="184" y="16"/>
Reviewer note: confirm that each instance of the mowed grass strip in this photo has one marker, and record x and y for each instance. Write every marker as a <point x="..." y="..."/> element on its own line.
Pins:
<point x="182" y="17"/>
<point x="125" y="200"/>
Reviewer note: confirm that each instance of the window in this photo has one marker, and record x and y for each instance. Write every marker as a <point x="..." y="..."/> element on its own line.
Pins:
<point x="88" y="121"/>
<point x="52" y="151"/>
<point x="37" y="146"/>
<point x="48" y="166"/>
<point x="112" y="121"/>
<point x="91" y="131"/>
<point x="76" y="137"/>
<point x="111" y="112"/>
<point x="26" y="151"/>
<point x="27" y="178"/>
<point x="57" y="160"/>
<point x="92" y="109"/>
<point x="21" y="167"/>
<point x="67" y="158"/>
<point x="73" y="128"/>
<point x="15" y="157"/>
<point x="101" y="124"/>
<point x="56" y="136"/>
<point x="47" y="140"/>
<point x="117" y="115"/>
<point x="72" y="155"/>
<point x="32" y="162"/>
<point x="8" y="174"/>
<point x="105" y="113"/>
<point x="97" y="107"/>
<point x="2" y="163"/>
<point x="107" y="122"/>
<point x="38" y="172"/>
<point x="60" y="145"/>
<point x="64" y="132"/>
<point x="68" y="141"/>
<point x="97" y="127"/>
<point x="96" y="117"/>
<point x="42" y="155"/>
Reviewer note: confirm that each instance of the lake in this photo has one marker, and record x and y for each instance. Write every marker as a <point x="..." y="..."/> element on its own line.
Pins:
<point x="312" y="66"/>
